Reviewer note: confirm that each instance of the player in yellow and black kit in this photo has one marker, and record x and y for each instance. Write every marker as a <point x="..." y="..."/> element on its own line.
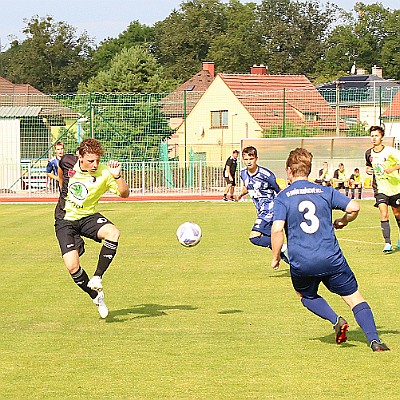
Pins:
<point x="83" y="181"/>
<point x="384" y="163"/>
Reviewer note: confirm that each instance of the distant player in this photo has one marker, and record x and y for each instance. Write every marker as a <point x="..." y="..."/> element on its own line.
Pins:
<point x="304" y="211"/>
<point x="52" y="165"/>
<point x="83" y="181"/>
<point x="229" y="175"/>
<point x="355" y="182"/>
<point x="340" y="179"/>
<point x="260" y="184"/>
<point x="383" y="162"/>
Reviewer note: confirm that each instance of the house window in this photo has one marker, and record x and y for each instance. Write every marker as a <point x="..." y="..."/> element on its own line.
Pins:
<point x="311" y="116"/>
<point x="219" y="119"/>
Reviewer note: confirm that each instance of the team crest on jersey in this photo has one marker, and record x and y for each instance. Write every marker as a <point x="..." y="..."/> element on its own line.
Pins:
<point x="78" y="190"/>
<point x="71" y="173"/>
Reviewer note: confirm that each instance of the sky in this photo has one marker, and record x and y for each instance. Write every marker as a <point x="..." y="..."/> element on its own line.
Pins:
<point x="104" y="19"/>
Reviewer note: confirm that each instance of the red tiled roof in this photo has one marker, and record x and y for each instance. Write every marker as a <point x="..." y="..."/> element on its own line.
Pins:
<point x="25" y="95"/>
<point x="270" y="98"/>
<point x="394" y="109"/>
<point x="194" y="87"/>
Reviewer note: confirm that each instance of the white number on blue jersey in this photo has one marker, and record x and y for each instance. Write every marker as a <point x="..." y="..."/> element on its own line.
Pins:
<point x="309" y="216"/>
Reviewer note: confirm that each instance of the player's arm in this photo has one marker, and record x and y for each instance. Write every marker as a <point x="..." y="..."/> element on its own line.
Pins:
<point x="228" y="171"/>
<point x="60" y="176"/>
<point x="392" y="169"/>
<point x="52" y="176"/>
<point x="351" y="213"/>
<point x="243" y="193"/>
<point x="277" y="237"/>
<point x="115" y="169"/>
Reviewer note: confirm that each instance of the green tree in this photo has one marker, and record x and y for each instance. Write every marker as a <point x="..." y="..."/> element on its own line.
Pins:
<point x="52" y="58"/>
<point x="293" y="34"/>
<point x="368" y="36"/>
<point x="183" y="39"/>
<point x="136" y="34"/>
<point x="132" y="70"/>
<point x="239" y="47"/>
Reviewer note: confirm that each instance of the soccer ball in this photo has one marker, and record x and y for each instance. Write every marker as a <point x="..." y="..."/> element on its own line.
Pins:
<point x="188" y="234"/>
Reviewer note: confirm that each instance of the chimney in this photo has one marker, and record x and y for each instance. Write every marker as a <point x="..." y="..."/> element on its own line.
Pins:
<point x="258" y="70"/>
<point x="209" y="66"/>
<point x="377" y="71"/>
<point x="361" y="71"/>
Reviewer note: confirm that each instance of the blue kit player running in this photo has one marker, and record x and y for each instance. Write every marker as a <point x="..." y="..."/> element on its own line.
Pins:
<point x="260" y="184"/>
<point x="304" y="211"/>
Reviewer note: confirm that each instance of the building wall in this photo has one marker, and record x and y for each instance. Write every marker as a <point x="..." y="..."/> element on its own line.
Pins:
<point x="217" y="143"/>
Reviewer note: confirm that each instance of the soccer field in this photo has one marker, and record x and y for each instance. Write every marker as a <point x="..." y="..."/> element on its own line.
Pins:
<point x="209" y="322"/>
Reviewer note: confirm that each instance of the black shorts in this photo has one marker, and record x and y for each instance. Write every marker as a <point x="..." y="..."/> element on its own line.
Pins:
<point x="69" y="232"/>
<point x="230" y="182"/>
<point x="393" y="201"/>
<point x="340" y="185"/>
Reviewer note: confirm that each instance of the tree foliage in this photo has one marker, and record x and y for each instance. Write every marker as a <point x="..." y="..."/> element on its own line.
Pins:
<point x="132" y="70"/>
<point x="52" y="58"/>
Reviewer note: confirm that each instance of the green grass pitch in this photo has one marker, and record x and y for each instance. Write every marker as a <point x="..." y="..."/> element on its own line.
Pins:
<point x="209" y="322"/>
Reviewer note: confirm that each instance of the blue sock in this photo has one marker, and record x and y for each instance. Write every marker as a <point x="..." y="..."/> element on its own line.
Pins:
<point x="263" y="241"/>
<point x="364" y="317"/>
<point x="320" y="307"/>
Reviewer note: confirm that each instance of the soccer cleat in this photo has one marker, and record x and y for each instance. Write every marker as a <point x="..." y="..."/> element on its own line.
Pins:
<point x="388" y="248"/>
<point x="232" y="199"/>
<point x="101" y="305"/>
<point x="224" y="199"/>
<point x="285" y="254"/>
<point x="95" y="284"/>
<point x="341" y="328"/>
<point x="378" y="346"/>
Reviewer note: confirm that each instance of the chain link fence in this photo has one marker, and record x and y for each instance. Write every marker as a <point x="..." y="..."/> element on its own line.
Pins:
<point x="148" y="132"/>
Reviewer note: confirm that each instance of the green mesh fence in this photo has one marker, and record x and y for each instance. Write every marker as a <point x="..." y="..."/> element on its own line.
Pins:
<point x="180" y="126"/>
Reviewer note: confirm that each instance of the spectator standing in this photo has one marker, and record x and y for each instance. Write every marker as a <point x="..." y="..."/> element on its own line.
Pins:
<point x="229" y="175"/>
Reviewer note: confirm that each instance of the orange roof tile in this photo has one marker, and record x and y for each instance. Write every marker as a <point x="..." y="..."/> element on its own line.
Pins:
<point x="270" y="98"/>
<point x="394" y="109"/>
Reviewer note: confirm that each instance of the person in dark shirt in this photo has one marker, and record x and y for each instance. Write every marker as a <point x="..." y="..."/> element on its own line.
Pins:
<point x="229" y="175"/>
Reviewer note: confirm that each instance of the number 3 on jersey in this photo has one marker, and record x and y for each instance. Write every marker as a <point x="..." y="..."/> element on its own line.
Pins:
<point x="312" y="224"/>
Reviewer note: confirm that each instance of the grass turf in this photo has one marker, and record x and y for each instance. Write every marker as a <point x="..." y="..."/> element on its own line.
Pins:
<point x="209" y="322"/>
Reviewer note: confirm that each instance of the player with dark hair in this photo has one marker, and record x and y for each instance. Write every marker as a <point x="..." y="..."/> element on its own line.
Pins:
<point x="229" y="175"/>
<point x="304" y="211"/>
<point x="83" y="181"/>
<point x="260" y="184"/>
<point x="383" y="162"/>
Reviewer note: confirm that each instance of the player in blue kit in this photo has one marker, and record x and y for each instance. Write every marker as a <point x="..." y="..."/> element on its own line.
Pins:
<point x="260" y="184"/>
<point x="304" y="211"/>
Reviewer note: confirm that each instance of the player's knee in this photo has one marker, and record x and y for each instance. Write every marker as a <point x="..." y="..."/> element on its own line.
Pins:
<point x="109" y="232"/>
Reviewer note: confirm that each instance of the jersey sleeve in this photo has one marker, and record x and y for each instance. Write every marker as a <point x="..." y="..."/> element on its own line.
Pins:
<point x="112" y="185"/>
<point x="280" y="211"/>
<point x="339" y="200"/>
<point x="49" y="167"/>
<point x="368" y="158"/>
<point x="272" y="182"/>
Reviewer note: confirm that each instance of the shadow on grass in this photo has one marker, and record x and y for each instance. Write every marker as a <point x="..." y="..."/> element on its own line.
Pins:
<point x="355" y="335"/>
<point x="144" y="311"/>
<point x="280" y="273"/>
<point x="229" y="312"/>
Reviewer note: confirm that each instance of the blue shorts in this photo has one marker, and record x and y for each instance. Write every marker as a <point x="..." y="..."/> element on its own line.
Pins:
<point x="262" y="226"/>
<point x="342" y="282"/>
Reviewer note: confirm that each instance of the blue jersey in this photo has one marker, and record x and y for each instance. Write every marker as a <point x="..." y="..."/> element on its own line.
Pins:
<point x="52" y="166"/>
<point x="262" y="187"/>
<point x="307" y="209"/>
